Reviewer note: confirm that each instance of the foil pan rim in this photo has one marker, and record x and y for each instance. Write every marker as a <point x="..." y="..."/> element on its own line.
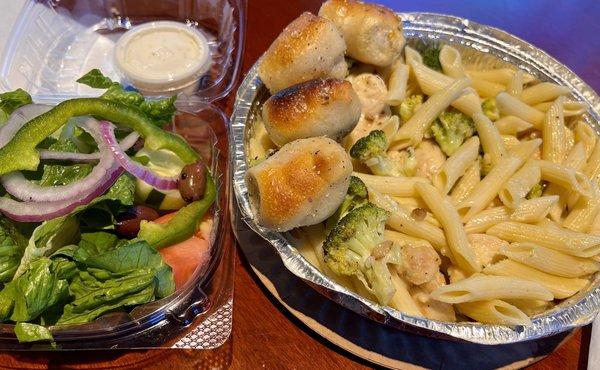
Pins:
<point x="577" y="311"/>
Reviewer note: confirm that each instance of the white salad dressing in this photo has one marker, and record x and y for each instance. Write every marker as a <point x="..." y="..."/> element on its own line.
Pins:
<point x="162" y="56"/>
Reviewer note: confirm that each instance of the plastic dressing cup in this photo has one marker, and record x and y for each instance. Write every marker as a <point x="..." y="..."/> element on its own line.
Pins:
<point x="163" y="56"/>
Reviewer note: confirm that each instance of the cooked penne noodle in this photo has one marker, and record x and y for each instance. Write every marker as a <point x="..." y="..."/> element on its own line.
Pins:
<point x="429" y="218"/>
<point x="583" y="213"/>
<point x="510" y="106"/>
<point x="534" y="210"/>
<point x="544" y="91"/>
<point x="494" y="312"/>
<point x="397" y="84"/>
<point x="486" y="219"/>
<point x="511" y="125"/>
<point x="432" y="82"/>
<point x="557" y="238"/>
<point x="402" y="300"/>
<point x="549" y="260"/>
<point x="576" y="160"/>
<point x="510" y="141"/>
<point x="467" y="183"/>
<point x="486" y="89"/>
<point x="391" y="126"/>
<point x="456" y="165"/>
<point x="499" y="75"/>
<point x="491" y="141"/>
<point x="570" y="108"/>
<point x="531" y="307"/>
<point x="515" y="86"/>
<point x="451" y="62"/>
<point x="554" y="134"/>
<point x="411" y="133"/>
<point x="586" y="136"/>
<point x="560" y="287"/>
<point x="402" y="239"/>
<point x="402" y="221"/>
<point x="410" y="201"/>
<point x="592" y="167"/>
<point x="395" y="186"/>
<point x="411" y="55"/>
<point x="565" y="177"/>
<point x="481" y="287"/>
<point x="488" y="188"/>
<point x="525" y="149"/>
<point x="456" y="237"/>
<point x="519" y="184"/>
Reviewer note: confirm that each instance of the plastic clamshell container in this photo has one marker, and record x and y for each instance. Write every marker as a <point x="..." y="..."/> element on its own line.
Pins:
<point x="51" y="46"/>
<point x="54" y="43"/>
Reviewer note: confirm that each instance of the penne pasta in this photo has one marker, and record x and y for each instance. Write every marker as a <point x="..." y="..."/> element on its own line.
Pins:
<point x="394" y="186"/>
<point x="583" y="213"/>
<point x="432" y="82"/>
<point x="486" y="89"/>
<point x="499" y="75"/>
<point x="451" y="62"/>
<point x="544" y="91"/>
<point x="515" y="86"/>
<point x="560" y="287"/>
<point x="554" y="147"/>
<point x="531" y="307"/>
<point x="486" y="219"/>
<point x="402" y="221"/>
<point x="592" y="167"/>
<point x="560" y="239"/>
<point x="491" y="141"/>
<point x="402" y="300"/>
<point x="494" y="312"/>
<point x="510" y="106"/>
<point x="412" y="56"/>
<point x="534" y="210"/>
<point x="397" y="84"/>
<point x="519" y="184"/>
<point x="456" y="236"/>
<point x="481" y="287"/>
<point x="565" y="177"/>
<point x="456" y="165"/>
<point x="586" y="136"/>
<point x="511" y="125"/>
<point x="411" y="133"/>
<point x="467" y="182"/>
<point x="570" y="108"/>
<point x="549" y="260"/>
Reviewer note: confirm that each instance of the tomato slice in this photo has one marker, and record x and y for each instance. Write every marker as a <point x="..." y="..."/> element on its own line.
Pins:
<point x="186" y="256"/>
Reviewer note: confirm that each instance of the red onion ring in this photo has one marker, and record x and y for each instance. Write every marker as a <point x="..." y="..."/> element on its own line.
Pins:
<point x="125" y="144"/>
<point x="134" y="168"/>
<point x="18" y="119"/>
<point x="18" y="186"/>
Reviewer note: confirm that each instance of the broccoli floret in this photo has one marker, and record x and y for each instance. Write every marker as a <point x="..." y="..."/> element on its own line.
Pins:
<point x="431" y="57"/>
<point x="372" y="151"/>
<point x="536" y="191"/>
<point x="451" y="129"/>
<point x="356" y="247"/>
<point x="490" y="109"/>
<point x="356" y="196"/>
<point x="409" y="106"/>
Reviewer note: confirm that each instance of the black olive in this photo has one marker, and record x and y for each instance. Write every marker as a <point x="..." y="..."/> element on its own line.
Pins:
<point x="128" y="222"/>
<point x="193" y="181"/>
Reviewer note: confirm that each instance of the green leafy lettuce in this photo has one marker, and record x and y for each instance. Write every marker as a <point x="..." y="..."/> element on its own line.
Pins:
<point x="12" y="100"/>
<point x="27" y="332"/>
<point x="12" y="245"/>
<point x="160" y="111"/>
<point x="59" y="175"/>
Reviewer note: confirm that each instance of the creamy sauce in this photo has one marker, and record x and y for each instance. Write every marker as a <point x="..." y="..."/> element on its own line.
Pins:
<point x="162" y="55"/>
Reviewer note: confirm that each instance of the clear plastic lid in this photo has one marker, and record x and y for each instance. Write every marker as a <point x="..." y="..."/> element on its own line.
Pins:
<point x="55" y="43"/>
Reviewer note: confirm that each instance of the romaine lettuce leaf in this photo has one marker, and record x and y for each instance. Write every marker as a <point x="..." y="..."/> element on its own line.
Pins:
<point x="37" y="289"/>
<point x="12" y="245"/>
<point x="9" y="101"/>
<point x="58" y="175"/>
<point x="132" y="256"/>
<point x="99" y="291"/>
<point x="27" y="332"/>
<point x="160" y="111"/>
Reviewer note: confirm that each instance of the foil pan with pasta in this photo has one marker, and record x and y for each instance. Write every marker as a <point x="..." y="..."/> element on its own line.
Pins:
<point x="481" y="46"/>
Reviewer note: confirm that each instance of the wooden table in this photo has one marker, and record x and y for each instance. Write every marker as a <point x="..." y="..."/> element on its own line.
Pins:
<point x="264" y="335"/>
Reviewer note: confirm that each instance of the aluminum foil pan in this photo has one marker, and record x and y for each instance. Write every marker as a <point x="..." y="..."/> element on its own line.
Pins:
<point x="480" y="45"/>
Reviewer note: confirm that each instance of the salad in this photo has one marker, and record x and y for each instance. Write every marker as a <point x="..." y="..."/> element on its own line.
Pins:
<point x="101" y="209"/>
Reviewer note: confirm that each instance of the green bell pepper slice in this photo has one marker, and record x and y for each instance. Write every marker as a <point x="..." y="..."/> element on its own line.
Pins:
<point x="183" y="224"/>
<point x="20" y="153"/>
